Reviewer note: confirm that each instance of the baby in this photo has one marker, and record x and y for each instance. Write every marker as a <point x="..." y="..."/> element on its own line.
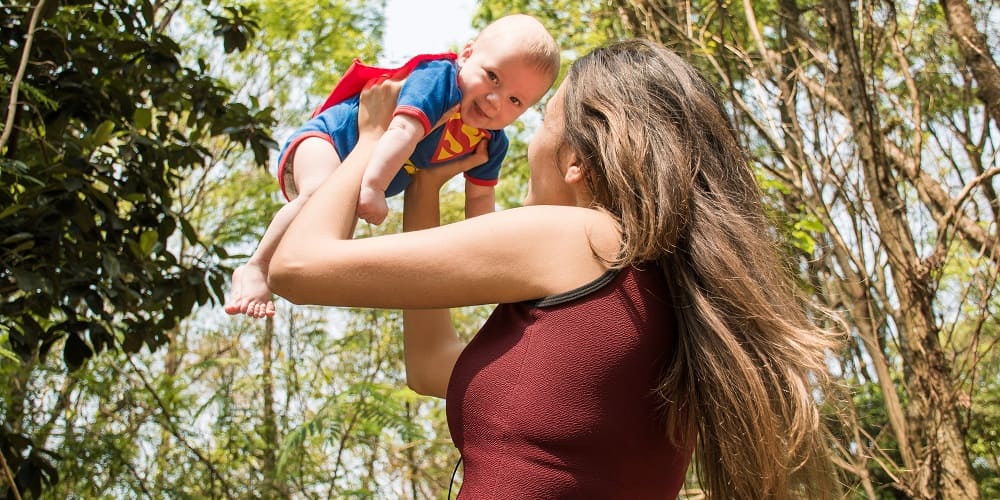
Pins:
<point x="497" y="76"/>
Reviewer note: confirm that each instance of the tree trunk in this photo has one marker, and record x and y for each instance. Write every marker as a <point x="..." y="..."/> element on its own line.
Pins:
<point x="976" y="53"/>
<point x="411" y="459"/>
<point x="272" y="486"/>
<point x="858" y="297"/>
<point x="943" y="469"/>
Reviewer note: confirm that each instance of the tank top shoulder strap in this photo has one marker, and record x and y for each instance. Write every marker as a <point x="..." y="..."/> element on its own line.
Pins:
<point x="576" y="293"/>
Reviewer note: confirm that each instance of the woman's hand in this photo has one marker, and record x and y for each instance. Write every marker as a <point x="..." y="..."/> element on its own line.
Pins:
<point x="377" y="104"/>
<point x="433" y="179"/>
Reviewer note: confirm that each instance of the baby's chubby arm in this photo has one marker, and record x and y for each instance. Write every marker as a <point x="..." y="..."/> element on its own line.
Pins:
<point x="479" y="199"/>
<point x="392" y="150"/>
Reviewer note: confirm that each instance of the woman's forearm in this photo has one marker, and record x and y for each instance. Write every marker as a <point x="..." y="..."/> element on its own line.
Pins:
<point x="430" y="344"/>
<point x="330" y="214"/>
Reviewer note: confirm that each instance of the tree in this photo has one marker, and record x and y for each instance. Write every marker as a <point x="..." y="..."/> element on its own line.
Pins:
<point x="133" y="422"/>
<point x="975" y="50"/>
<point x="130" y="162"/>
<point x="878" y="158"/>
<point x="101" y="122"/>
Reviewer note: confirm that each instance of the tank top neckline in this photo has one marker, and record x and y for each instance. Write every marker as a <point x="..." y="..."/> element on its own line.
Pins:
<point x="576" y="293"/>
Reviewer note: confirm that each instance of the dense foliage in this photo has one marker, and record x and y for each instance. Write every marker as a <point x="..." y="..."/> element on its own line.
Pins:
<point x="105" y="122"/>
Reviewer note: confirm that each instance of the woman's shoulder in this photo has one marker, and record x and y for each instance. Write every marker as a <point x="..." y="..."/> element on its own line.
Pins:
<point x="571" y="212"/>
<point x="599" y="228"/>
<point x="597" y="223"/>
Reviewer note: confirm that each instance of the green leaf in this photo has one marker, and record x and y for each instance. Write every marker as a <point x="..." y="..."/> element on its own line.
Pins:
<point x="803" y="241"/>
<point x="132" y="342"/>
<point x="112" y="267"/>
<point x="7" y="212"/>
<point x="27" y="280"/>
<point x="142" y="118"/>
<point x="4" y="353"/>
<point x="75" y="352"/>
<point x="148" y="240"/>
<point x="17" y="238"/>
<point x="810" y="223"/>
<point x="101" y="134"/>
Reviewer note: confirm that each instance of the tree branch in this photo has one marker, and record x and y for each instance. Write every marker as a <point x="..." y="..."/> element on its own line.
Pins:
<point x="10" y="477"/>
<point x="973" y="46"/>
<point x="939" y="203"/>
<point x="176" y="433"/>
<point x="16" y="84"/>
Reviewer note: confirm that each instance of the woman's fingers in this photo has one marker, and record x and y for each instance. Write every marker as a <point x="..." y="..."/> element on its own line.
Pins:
<point x="446" y="116"/>
<point x="378" y="101"/>
<point x="440" y="174"/>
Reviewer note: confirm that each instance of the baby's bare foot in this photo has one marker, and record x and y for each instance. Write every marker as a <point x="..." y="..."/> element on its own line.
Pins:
<point x="250" y="294"/>
<point x="372" y="206"/>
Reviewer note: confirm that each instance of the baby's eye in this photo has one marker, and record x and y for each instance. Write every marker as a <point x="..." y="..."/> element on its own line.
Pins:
<point x="515" y="101"/>
<point x="492" y="76"/>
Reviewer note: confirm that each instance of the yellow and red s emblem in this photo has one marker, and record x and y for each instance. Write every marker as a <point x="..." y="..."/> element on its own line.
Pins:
<point x="457" y="139"/>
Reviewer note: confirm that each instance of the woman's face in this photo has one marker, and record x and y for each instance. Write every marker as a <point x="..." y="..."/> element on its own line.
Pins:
<point x="546" y="160"/>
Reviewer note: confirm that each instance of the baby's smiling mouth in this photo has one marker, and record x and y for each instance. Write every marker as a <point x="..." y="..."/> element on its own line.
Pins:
<point x="479" y="110"/>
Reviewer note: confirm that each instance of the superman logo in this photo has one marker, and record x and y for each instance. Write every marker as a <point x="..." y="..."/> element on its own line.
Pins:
<point x="457" y="139"/>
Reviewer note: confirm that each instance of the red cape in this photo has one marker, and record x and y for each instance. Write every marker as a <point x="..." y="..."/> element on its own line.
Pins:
<point x="358" y="74"/>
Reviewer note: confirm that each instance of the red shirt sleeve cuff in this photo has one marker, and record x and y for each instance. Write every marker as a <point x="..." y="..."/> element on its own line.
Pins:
<point x="481" y="182"/>
<point x="416" y="113"/>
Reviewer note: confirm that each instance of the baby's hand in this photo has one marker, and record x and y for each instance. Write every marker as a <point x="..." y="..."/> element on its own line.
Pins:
<point x="372" y="206"/>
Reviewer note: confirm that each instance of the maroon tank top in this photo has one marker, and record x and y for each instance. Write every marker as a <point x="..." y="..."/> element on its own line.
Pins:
<point x="553" y="398"/>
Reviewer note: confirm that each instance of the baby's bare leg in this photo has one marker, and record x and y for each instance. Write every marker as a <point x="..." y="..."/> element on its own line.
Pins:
<point x="313" y="161"/>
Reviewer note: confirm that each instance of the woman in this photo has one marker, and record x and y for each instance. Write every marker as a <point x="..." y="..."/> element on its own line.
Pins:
<point x="643" y="311"/>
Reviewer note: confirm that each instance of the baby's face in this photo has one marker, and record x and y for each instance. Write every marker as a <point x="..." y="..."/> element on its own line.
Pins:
<point x="497" y="85"/>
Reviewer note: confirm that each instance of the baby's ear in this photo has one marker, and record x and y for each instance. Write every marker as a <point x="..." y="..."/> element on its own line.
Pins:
<point x="466" y="52"/>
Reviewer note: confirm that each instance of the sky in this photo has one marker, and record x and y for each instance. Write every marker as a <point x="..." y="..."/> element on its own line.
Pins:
<point x="414" y="26"/>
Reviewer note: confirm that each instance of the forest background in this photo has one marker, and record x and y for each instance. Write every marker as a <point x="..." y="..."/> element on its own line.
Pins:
<point x="136" y="154"/>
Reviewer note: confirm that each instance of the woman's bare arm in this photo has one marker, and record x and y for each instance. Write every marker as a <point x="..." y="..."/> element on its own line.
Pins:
<point x="431" y="345"/>
<point x="508" y="256"/>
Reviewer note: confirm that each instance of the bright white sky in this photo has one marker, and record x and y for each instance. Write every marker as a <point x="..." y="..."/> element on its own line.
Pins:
<point x="415" y="26"/>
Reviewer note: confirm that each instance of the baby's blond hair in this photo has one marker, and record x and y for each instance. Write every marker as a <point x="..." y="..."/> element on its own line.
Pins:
<point x="531" y="38"/>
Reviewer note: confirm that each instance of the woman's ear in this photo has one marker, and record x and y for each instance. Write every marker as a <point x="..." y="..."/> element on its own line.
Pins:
<point x="574" y="172"/>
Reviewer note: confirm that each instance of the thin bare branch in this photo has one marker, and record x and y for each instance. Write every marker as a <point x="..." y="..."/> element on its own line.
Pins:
<point x="172" y="428"/>
<point x="19" y="76"/>
<point x="9" y="476"/>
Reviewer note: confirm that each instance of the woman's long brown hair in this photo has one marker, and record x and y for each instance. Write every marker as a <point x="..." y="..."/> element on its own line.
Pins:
<point x="661" y="156"/>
